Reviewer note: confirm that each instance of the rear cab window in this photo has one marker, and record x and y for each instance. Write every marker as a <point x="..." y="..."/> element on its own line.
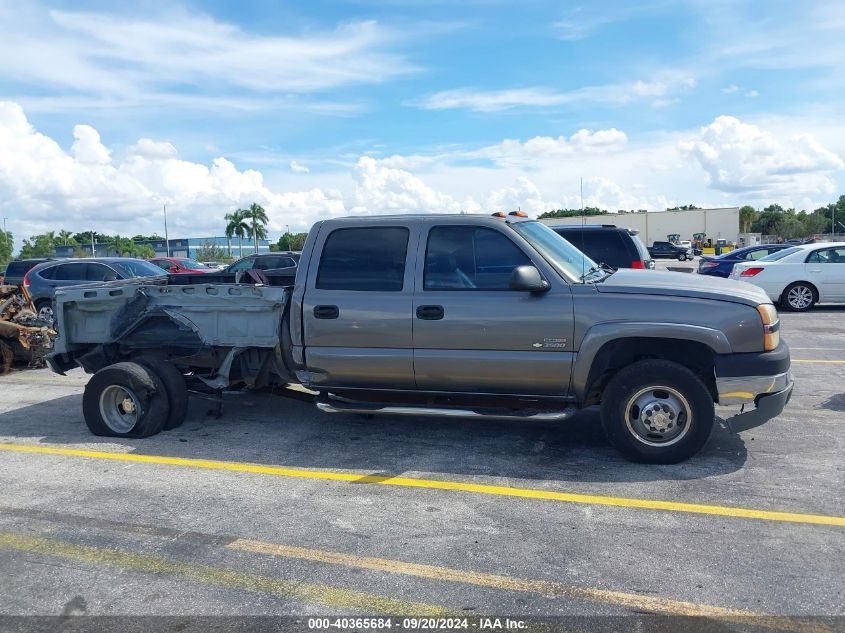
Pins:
<point x="364" y="259"/>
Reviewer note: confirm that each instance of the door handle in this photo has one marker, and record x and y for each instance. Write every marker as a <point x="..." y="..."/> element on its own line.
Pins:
<point x="815" y="270"/>
<point x="326" y="312"/>
<point x="430" y="313"/>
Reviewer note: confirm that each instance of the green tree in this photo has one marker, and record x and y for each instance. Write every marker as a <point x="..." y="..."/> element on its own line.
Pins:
<point x="120" y="246"/>
<point x="146" y="238"/>
<point x="291" y="242"/>
<point x="65" y="238"/>
<point x="144" y="251"/>
<point x="236" y="227"/>
<point x="257" y="218"/>
<point x="747" y="215"/>
<point x="572" y="213"/>
<point x="6" y="246"/>
<point x="42" y="245"/>
<point x="210" y="252"/>
<point x="686" y="207"/>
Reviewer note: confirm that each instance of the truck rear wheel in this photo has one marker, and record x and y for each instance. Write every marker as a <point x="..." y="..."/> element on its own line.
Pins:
<point x="657" y="411"/>
<point x="125" y="400"/>
<point x="174" y="385"/>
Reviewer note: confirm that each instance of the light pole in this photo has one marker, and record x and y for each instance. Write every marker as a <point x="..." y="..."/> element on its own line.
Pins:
<point x="166" y="238"/>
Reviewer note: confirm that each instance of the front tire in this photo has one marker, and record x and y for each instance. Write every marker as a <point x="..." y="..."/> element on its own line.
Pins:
<point x="799" y="297"/>
<point x="657" y="412"/>
<point x="125" y="400"/>
<point x="682" y="257"/>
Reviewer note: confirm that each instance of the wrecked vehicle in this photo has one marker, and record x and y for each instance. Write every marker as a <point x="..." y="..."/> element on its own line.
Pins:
<point x="24" y="337"/>
<point x="454" y="316"/>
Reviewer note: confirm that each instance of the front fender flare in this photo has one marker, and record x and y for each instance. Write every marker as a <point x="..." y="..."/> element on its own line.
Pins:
<point x="599" y="335"/>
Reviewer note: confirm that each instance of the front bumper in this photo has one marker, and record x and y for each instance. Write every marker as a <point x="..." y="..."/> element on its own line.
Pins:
<point x="769" y="406"/>
<point x="762" y="380"/>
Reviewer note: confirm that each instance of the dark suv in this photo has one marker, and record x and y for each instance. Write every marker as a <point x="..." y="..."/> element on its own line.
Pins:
<point x="607" y="244"/>
<point x="18" y="268"/>
<point x="265" y="261"/>
<point x="671" y="251"/>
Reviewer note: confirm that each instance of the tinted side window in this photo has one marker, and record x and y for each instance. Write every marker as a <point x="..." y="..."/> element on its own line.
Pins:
<point x="755" y="255"/>
<point x="467" y="257"/>
<point x="603" y="247"/>
<point x="244" y="264"/>
<point x="98" y="272"/>
<point x="364" y="259"/>
<point x="828" y="256"/>
<point x="47" y="273"/>
<point x="71" y="272"/>
<point x="270" y="263"/>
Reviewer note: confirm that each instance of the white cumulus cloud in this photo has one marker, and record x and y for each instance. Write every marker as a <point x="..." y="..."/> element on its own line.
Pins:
<point x="298" y="168"/>
<point x="742" y="158"/>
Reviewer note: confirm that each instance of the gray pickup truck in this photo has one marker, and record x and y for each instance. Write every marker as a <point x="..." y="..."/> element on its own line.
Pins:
<point x="443" y="315"/>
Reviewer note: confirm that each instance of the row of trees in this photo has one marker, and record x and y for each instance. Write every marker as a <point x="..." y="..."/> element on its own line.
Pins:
<point x="789" y="223"/>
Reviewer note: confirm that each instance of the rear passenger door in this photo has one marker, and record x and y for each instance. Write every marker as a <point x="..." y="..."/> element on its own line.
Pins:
<point x="356" y="311"/>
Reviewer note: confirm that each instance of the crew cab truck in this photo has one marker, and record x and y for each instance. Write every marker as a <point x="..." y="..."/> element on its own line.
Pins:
<point x="442" y="315"/>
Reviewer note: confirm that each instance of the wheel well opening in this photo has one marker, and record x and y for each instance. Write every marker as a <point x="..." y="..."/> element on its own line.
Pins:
<point x="614" y="355"/>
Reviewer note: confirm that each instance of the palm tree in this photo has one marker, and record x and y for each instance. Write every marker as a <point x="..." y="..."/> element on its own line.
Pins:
<point x="238" y="227"/>
<point x="66" y="238"/>
<point x="115" y="244"/>
<point x="258" y="220"/>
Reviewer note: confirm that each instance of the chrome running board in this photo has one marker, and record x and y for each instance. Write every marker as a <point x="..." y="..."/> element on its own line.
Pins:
<point x="366" y="408"/>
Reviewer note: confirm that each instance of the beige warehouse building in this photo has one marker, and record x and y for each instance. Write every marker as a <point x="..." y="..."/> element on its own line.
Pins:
<point x="657" y="225"/>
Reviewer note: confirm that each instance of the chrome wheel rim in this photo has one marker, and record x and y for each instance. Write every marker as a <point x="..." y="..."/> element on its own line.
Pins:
<point x="45" y="314"/>
<point x="658" y="416"/>
<point x="119" y="408"/>
<point x="800" y="297"/>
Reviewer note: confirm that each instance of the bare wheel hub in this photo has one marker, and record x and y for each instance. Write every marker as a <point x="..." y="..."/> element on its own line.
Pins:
<point x="658" y="415"/>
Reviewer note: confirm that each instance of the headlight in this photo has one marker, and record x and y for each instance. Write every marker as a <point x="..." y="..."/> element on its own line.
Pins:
<point x="771" y="326"/>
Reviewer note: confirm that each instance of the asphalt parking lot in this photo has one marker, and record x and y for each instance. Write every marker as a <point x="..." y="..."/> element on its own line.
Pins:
<point x="279" y="509"/>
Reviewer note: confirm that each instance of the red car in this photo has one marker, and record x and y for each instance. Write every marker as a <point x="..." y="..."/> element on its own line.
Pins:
<point x="179" y="265"/>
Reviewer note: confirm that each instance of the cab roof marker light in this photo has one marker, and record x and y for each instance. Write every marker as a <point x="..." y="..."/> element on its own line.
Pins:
<point x="519" y="214"/>
<point x="498" y="214"/>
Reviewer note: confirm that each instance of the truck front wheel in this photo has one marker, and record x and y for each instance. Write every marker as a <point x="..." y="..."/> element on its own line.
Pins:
<point x="657" y="411"/>
<point x="125" y="400"/>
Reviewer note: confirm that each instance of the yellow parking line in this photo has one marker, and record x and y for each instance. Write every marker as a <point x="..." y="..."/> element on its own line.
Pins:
<point x="544" y="588"/>
<point x="311" y="593"/>
<point x="435" y="484"/>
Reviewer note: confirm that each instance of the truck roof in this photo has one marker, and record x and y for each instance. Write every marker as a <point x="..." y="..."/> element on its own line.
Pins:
<point x="447" y="218"/>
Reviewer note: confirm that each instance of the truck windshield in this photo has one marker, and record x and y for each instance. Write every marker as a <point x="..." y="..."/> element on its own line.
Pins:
<point x="563" y="256"/>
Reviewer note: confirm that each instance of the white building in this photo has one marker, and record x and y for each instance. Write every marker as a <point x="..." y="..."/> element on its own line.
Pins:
<point x="658" y="225"/>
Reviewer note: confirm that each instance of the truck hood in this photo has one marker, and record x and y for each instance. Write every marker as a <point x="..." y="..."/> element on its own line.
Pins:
<point x="654" y="282"/>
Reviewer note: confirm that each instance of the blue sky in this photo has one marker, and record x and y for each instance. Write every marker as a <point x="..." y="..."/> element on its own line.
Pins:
<point x="367" y="106"/>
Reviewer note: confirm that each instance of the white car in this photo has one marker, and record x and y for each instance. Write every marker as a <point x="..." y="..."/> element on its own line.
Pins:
<point x="685" y="244"/>
<point x="799" y="277"/>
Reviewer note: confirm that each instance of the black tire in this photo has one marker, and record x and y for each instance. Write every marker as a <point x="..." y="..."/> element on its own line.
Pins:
<point x="792" y="294"/>
<point x="144" y="391"/>
<point x="174" y="385"/>
<point x="682" y="257"/>
<point x="632" y="437"/>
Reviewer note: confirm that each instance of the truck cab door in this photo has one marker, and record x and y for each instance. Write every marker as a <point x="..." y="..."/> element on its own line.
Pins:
<point x="472" y="333"/>
<point x="356" y="309"/>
